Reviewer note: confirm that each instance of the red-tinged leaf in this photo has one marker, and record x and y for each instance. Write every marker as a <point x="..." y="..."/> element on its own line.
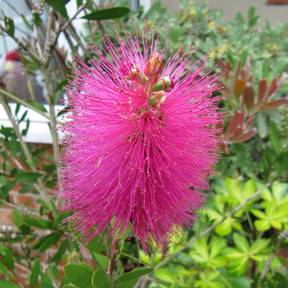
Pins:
<point x="235" y="125"/>
<point x="246" y="136"/>
<point x="274" y="104"/>
<point x="262" y="93"/>
<point x="273" y="87"/>
<point x="239" y="87"/>
<point x="249" y="121"/>
<point x="248" y="97"/>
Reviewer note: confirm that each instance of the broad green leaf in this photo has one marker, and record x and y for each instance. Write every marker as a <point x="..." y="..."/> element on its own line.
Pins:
<point x="102" y="260"/>
<point x="79" y="275"/>
<point x="100" y="279"/>
<point x="225" y="227"/>
<point x="262" y="225"/>
<point x="109" y="13"/>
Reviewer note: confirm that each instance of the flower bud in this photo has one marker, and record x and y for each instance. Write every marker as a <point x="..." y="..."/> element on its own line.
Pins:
<point x="154" y="65"/>
<point x="136" y="75"/>
<point x="166" y="84"/>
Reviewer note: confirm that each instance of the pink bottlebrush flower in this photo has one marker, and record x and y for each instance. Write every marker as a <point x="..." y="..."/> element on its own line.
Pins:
<point x="141" y="141"/>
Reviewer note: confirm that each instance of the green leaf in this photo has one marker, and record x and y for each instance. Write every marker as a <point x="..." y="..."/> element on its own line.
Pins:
<point x="102" y="260"/>
<point x="100" y="279"/>
<point x="225" y="227"/>
<point x="37" y="222"/>
<point x="129" y="279"/>
<point x="7" y="258"/>
<point x="35" y="272"/>
<point x="9" y="25"/>
<point x="259" y="246"/>
<point x="59" y="6"/>
<point x="37" y="105"/>
<point x="241" y="242"/>
<point x="17" y="218"/>
<point x="7" y="284"/>
<point x="79" y="275"/>
<point x="106" y="14"/>
<point x="27" y="176"/>
<point x="46" y="282"/>
<point x="48" y="241"/>
<point x="166" y="274"/>
<point x="61" y="251"/>
<point x="252" y="17"/>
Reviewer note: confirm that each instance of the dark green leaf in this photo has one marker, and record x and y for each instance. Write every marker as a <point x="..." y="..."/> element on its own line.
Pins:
<point x="39" y="223"/>
<point x="48" y="241"/>
<point x="9" y="25"/>
<point x="100" y="279"/>
<point x="37" y="105"/>
<point x="6" y="257"/>
<point x="59" y="6"/>
<point x="61" y="251"/>
<point x="27" y="176"/>
<point x="79" y="275"/>
<point x="106" y="14"/>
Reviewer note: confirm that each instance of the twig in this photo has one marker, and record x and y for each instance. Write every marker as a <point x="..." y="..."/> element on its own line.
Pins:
<point x="18" y="134"/>
<point x="111" y="264"/>
<point x="267" y="266"/>
<point x="26" y="104"/>
<point x="24" y="147"/>
<point x="207" y="231"/>
<point x="22" y="45"/>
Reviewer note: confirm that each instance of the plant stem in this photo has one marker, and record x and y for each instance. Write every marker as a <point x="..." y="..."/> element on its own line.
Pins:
<point x="112" y="257"/>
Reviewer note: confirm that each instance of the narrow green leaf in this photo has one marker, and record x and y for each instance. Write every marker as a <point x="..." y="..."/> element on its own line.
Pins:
<point x="61" y="251"/>
<point x="9" y="25"/>
<point x="106" y="14"/>
<point x="48" y="241"/>
<point x="59" y="6"/>
<point x="35" y="272"/>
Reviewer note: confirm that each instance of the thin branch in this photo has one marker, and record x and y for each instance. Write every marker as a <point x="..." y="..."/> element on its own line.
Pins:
<point x="18" y="134"/>
<point x="40" y="187"/>
<point x="22" y="45"/>
<point x="26" y="104"/>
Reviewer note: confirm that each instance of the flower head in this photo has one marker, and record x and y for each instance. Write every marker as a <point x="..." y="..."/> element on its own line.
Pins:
<point x="141" y="142"/>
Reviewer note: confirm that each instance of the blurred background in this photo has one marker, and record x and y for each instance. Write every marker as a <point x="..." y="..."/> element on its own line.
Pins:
<point x="240" y="238"/>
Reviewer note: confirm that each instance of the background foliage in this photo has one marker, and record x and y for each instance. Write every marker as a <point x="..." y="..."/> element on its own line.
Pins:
<point x="240" y="238"/>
